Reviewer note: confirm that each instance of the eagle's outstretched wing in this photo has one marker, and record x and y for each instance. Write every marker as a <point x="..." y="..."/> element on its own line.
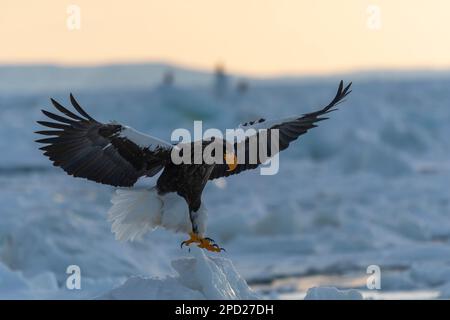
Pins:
<point x="289" y="129"/>
<point x="107" y="153"/>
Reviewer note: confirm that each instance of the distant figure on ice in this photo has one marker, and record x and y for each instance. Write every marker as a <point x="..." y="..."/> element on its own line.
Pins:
<point x="242" y="87"/>
<point x="168" y="79"/>
<point x="220" y="81"/>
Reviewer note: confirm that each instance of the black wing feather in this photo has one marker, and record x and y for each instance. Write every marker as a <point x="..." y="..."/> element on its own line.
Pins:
<point x="53" y="125"/>
<point x="57" y="117"/>
<point x="65" y="111"/>
<point x="77" y="106"/>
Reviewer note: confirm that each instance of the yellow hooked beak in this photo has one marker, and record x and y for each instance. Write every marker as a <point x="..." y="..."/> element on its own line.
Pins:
<point x="231" y="161"/>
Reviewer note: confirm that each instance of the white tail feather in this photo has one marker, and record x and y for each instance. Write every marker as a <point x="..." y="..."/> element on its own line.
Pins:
<point x="137" y="211"/>
<point x="134" y="212"/>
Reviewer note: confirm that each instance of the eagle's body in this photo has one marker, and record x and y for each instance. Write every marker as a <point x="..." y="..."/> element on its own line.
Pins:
<point x="119" y="155"/>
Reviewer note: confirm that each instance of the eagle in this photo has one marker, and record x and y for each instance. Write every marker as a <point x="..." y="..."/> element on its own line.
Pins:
<point x="118" y="155"/>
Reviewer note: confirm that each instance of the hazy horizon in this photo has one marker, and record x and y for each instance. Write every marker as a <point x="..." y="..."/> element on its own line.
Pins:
<point x="167" y="65"/>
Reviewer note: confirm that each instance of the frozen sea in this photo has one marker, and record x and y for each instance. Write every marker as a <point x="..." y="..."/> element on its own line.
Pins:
<point x="368" y="187"/>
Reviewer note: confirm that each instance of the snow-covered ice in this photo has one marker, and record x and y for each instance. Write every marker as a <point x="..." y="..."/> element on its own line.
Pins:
<point x="199" y="277"/>
<point x="331" y="293"/>
<point x="369" y="187"/>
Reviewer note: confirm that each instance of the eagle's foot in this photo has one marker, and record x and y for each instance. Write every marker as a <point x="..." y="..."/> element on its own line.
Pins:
<point x="208" y="244"/>
<point x="204" y="243"/>
<point x="194" y="238"/>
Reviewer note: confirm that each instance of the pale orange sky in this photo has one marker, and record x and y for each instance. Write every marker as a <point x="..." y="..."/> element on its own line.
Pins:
<point x="259" y="37"/>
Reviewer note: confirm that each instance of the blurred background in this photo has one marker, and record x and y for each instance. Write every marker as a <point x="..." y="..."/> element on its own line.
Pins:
<point x="369" y="187"/>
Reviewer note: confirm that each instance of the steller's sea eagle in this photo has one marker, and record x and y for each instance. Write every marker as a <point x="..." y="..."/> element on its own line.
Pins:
<point x="117" y="155"/>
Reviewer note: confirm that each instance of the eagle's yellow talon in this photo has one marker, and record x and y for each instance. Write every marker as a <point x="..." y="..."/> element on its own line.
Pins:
<point x="193" y="238"/>
<point x="204" y="243"/>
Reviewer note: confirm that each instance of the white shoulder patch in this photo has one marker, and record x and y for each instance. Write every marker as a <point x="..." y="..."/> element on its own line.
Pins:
<point x="143" y="140"/>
